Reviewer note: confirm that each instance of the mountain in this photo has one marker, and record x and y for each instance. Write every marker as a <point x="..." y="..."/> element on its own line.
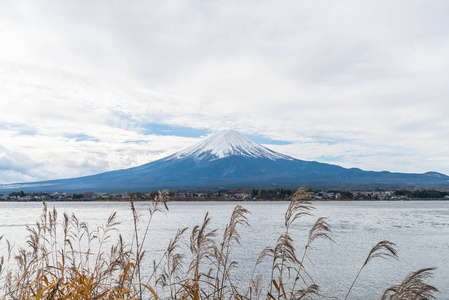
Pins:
<point x="231" y="160"/>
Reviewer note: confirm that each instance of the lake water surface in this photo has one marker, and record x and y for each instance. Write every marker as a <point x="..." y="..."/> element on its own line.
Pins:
<point x="420" y="229"/>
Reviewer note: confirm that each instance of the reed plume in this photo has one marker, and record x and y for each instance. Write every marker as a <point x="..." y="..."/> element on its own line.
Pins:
<point x="413" y="287"/>
<point x="383" y="249"/>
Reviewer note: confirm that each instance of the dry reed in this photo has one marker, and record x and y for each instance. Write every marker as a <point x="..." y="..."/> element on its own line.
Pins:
<point x="70" y="261"/>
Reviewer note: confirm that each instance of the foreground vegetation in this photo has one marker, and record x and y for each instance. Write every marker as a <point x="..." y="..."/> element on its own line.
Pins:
<point x="68" y="260"/>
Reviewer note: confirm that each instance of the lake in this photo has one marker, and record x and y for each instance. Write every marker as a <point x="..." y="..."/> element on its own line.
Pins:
<point x="420" y="229"/>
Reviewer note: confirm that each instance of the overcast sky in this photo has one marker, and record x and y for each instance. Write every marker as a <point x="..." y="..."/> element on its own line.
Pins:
<point x="93" y="86"/>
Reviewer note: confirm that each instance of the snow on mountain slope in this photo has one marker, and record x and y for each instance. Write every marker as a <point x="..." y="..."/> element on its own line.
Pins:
<point x="227" y="143"/>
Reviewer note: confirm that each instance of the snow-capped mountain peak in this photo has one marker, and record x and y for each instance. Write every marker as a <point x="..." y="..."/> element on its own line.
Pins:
<point x="227" y="143"/>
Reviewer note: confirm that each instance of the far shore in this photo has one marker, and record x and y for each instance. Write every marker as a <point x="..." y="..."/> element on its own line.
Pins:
<point x="230" y="200"/>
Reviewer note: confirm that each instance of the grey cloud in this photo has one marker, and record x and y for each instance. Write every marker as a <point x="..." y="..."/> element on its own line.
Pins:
<point x="17" y="167"/>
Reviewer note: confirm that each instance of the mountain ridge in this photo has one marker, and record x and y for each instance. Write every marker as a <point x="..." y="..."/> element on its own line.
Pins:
<point x="229" y="160"/>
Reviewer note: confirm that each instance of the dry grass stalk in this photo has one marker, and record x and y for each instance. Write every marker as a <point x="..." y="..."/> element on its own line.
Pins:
<point x="201" y="248"/>
<point x="297" y="208"/>
<point x="413" y="287"/>
<point x="223" y="252"/>
<point x="383" y="249"/>
<point x="172" y="269"/>
<point x="320" y="230"/>
<point x="285" y="261"/>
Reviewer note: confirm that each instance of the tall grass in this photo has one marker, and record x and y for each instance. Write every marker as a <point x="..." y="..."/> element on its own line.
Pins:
<point x="65" y="259"/>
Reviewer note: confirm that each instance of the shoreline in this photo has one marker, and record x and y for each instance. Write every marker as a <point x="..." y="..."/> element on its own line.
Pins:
<point x="234" y="200"/>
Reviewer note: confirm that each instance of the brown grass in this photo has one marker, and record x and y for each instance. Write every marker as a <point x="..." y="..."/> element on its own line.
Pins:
<point x="68" y="260"/>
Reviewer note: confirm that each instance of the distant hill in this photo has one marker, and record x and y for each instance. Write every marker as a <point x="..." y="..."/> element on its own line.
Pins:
<point x="231" y="160"/>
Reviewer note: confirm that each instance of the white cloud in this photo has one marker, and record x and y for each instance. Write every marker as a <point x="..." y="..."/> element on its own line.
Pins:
<point x="356" y="83"/>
